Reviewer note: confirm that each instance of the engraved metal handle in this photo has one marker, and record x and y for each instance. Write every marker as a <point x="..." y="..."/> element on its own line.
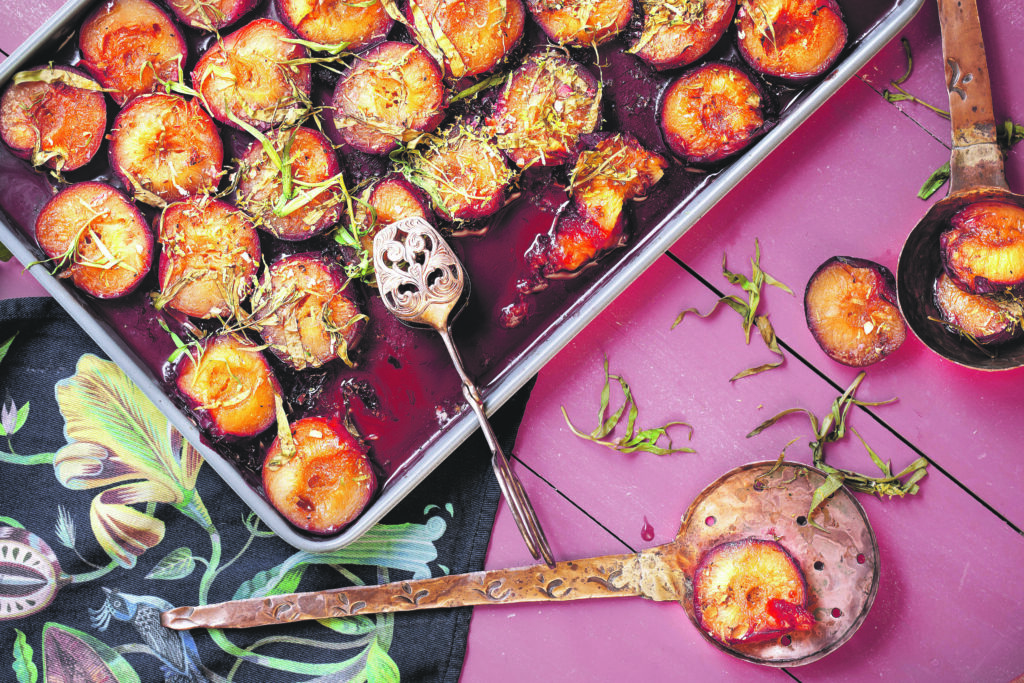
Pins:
<point x="653" y="574"/>
<point x="976" y="160"/>
<point x="420" y="281"/>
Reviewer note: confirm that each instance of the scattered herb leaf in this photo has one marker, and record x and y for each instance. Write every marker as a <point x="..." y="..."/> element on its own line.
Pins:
<point x="748" y="309"/>
<point x="833" y="428"/>
<point x="5" y="254"/>
<point x="645" y="440"/>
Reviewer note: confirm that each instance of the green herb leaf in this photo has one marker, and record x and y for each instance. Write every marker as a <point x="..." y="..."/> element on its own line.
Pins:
<point x="935" y="181"/>
<point x="833" y="428"/>
<point x="645" y="440"/>
<point x="753" y="286"/>
<point x="5" y="254"/>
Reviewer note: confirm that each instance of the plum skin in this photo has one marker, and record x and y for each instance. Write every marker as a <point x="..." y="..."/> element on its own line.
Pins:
<point x="864" y="306"/>
<point x="59" y="117"/>
<point x="328" y="481"/>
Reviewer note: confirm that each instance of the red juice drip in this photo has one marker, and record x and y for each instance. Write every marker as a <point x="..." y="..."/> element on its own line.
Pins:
<point x="647" y="531"/>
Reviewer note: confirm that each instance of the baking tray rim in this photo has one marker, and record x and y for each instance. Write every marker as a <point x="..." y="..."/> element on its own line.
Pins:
<point x="528" y="363"/>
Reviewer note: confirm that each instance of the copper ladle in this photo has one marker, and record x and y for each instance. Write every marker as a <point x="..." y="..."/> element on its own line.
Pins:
<point x="421" y="281"/>
<point x="976" y="174"/>
<point x="759" y="500"/>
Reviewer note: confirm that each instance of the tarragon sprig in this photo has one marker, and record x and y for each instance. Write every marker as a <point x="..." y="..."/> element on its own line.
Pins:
<point x="833" y="428"/>
<point x="645" y="440"/>
<point x="748" y="309"/>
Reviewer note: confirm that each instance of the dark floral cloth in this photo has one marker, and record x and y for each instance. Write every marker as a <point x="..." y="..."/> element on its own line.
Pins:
<point x="108" y="517"/>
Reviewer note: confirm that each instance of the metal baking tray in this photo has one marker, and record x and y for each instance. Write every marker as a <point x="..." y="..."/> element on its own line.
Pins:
<point x="502" y="361"/>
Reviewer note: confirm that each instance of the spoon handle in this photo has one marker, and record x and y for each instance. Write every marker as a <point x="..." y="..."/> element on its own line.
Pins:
<point x="650" y="574"/>
<point x="976" y="159"/>
<point x="511" y="487"/>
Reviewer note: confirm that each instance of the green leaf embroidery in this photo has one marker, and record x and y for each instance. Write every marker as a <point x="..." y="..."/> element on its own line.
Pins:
<point x="5" y="347"/>
<point x="177" y="564"/>
<point x="753" y="286"/>
<point x="24" y="668"/>
<point x="22" y="417"/>
<point x="645" y="440"/>
<point x="833" y="428"/>
<point x="380" y="668"/>
<point x="91" y="654"/>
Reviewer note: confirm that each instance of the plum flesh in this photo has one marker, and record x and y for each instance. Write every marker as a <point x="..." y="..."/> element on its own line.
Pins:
<point x="325" y="483"/>
<point x="210" y="15"/>
<point x="586" y="22"/>
<point x="54" y="116"/>
<point x="468" y="37"/>
<point x="987" y="319"/>
<point x="386" y="202"/>
<point x="983" y="249"/>
<point x="712" y="112"/>
<point x="790" y="39"/>
<point x="679" y="32"/>
<point x="330" y="22"/>
<point x="749" y="591"/>
<point x="851" y="310"/>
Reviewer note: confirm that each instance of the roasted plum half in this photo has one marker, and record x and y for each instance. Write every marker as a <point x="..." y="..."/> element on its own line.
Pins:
<point x="209" y="258"/>
<point x="470" y="37"/>
<point x="544" y="108"/>
<point x="711" y="112"/>
<point x="851" y="310"/>
<point x="987" y="319"/>
<point x="210" y="15"/>
<point x="254" y="75"/>
<point x="357" y="25"/>
<point x="386" y="202"/>
<point x="583" y="22"/>
<point x="749" y="591"/>
<point x="229" y="382"/>
<point x="612" y="169"/>
<point x="130" y="46"/>
<point x="53" y="116"/>
<point x="983" y="249"/>
<point x="790" y="39"/>
<point x="165" y="148"/>
<point x="391" y="94"/>
<point x="679" y="32"/>
<point x="463" y="172"/>
<point x="321" y="478"/>
<point x="97" y="237"/>
<point x="311" y="200"/>
<point x="305" y="313"/>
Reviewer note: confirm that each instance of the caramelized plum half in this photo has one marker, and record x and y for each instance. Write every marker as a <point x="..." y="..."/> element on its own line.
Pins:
<point x="97" y="237"/>
<point x="210" y="256"/>
<point x="584" y="22"/>
<point x="386" y="202"/>
<point x="791" y="39"/>
<point x="230" y="382"/>
<point x="465" y="175"/>
<point x="983" y="250"/>
<point x="304" y="312"/>
<point x="53" y="116"/>
<point x="165" y="148"/>
<point x="210" y="15"/>
<point x="357" y="25"/>
<point x="851" y="310"/>
<point x="252" y="75"/>
<point x="544" y="108"/>
<point x="987" y="319"/>
<point x="130" y="46"/>
<point x="712" y="112"/>
<point x="314" y="200"/>
<point x="325" y="483"/>
<point x="679" y="32"/>
<point x="748" y="591"/>
<point x="576" y="238"/>
<point x="391" y="94"/>
<point x="468" y="37"/>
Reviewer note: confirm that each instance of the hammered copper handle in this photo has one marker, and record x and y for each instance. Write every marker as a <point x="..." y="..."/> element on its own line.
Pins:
<point x="976" y="160"/>
<point x="654" y="574"/>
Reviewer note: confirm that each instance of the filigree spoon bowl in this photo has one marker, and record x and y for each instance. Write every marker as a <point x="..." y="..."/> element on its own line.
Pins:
<point x="421" y="281"/>
<point x="839" y="558"/>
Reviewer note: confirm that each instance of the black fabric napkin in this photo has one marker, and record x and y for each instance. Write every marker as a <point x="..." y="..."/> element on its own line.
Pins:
<point x="105" y="521"/>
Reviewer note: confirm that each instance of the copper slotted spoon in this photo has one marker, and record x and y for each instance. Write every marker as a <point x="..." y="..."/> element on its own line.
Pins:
<point x="758" y="500"/>
<point x="421" y="281"/>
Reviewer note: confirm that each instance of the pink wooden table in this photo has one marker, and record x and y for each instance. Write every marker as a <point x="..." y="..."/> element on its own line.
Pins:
<point x="951" y="597"/>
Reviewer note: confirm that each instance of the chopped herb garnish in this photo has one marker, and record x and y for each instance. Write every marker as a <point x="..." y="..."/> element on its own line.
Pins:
<point x="833" y="428"/>
<point x="645" y="440"/>
<point x="748" y="309"/>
